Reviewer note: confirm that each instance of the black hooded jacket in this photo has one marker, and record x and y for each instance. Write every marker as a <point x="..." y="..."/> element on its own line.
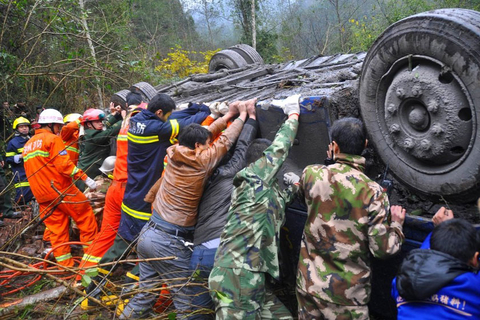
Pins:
<point x="425" y="272"/>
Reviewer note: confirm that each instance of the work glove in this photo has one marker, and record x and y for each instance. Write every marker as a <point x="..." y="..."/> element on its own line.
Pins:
<point x="17" y="158"/>
<point x="292" y="105"/>
<point x="214" y="113"/>
<point x="290" y="178"/>
<point x="91" y="183"/>
<point x="222" y="107"/>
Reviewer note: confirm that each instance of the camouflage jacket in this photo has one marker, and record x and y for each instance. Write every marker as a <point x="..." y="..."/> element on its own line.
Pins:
<point x="250" y="239"/>
<point x="347" y="220"/>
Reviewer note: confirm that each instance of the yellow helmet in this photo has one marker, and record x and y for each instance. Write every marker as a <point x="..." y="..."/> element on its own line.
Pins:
<point x="20" y="121"/>
<point x="71" y="117"/>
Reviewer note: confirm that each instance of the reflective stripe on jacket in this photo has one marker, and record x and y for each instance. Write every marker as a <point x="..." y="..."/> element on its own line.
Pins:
<point x="46" y="161"/>
<point x="15" y="147"/>
<point x="120" y="170"/>
<point x="69" y="135"/>
<point x="148" y="139"/>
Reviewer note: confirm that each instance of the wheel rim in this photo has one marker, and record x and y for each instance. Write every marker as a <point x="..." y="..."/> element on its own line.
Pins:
<point x="427" y="114"/>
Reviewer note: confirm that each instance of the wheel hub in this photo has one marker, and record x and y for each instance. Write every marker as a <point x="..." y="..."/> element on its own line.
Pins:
<point x="427" y="115"/>
<point x="418" y="117"/>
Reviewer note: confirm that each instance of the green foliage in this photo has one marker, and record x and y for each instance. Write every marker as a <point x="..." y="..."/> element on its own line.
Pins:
<point x="159" y="25"/>
<point x="222" y="296"/>
<point x="87" y="277"/>
<point x="8" y="63"/>
<point x="284" y="55"/>
<point x="267" y="45"/>
<point x="397" y="10"/>
<point x="366" y="29"/>
<point x="364" y="32"/>
<point x="26" y="312"/>
<point x="45" y="57"/>
<point x="242" y="16"/>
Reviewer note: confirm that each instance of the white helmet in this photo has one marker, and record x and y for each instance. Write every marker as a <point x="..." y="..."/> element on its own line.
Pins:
<point x="50" y="116"/>
<point x="108" y="165"/>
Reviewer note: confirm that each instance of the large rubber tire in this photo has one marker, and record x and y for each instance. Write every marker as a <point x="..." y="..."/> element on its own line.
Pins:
<point x="226" y="59"/>
<point x="120" y="97"/>
<point x="420" y="101"/>
<point x="248" y="53"/>
<point x="146" y="90"/>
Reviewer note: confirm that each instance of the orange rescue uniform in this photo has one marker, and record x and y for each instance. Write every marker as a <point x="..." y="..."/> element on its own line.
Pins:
<point x="50" y="172"/>
<point x="113" y="202"/>
<point x="69" y="135"/>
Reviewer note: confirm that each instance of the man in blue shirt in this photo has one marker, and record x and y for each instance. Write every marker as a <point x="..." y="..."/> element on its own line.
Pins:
<point x="441" y="280"/>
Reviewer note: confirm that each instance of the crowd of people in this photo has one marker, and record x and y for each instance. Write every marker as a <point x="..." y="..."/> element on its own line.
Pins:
<point x="194" y="193"/>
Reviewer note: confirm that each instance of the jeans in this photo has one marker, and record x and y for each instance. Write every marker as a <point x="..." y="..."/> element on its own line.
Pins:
<point x="156" y="241"/>
<point x="202" y="260"/>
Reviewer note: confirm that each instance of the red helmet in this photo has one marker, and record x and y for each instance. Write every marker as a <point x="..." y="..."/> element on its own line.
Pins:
<point x="93" y="115"/>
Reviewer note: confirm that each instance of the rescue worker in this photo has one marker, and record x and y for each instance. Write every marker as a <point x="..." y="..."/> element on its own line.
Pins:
<point x="190" y="163"/>
<point x="150" y="133"/>
<point x="95" y="144"/>
<point x="70" y="135"/>
<point x="103" y="181"/>
<point x="248" y="251"/>
<point x="113" y="199"/>
<point x="50" y="172"/>
<point x="14" y="157"/>
<point x="346" y="225"/>
<point x="6" y="209"/>
<point x="214" y="205"/>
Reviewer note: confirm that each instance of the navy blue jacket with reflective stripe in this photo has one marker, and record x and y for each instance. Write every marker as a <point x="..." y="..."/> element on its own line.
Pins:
<point x="148" y="139"/>
<point x="15" y="147"/>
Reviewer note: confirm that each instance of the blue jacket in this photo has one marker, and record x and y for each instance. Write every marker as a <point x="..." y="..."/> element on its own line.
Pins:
<point x="438" y="286"/>
<point x="148" y="139"/>
<point x="14" y="150"/>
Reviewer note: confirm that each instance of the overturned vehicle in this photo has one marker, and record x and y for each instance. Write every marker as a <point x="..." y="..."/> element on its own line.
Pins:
<point x="416" y="90"/>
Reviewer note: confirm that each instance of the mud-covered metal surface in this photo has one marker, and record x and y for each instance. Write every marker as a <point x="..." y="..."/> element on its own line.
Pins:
<point x="420" y="100"/>
<point x="333" y="76"/>
<point x="334" y="81"/>
<point x="330" y="83"/>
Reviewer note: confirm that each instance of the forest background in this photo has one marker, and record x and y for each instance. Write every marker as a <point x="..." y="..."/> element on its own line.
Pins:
<point x="74" y="54"/>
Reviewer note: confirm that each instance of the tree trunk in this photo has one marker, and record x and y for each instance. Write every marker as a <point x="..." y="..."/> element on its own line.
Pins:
<point x="254" y="27"/>
<point x="92" y="49"/>
<point x="207" y="20"/>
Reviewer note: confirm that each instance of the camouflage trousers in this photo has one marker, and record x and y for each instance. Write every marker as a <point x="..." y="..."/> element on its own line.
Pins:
<point x="310" y="308"/>
<point x="243" y="294"/>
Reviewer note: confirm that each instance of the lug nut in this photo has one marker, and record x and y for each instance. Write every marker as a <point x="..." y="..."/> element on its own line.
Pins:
<point x="409" y="144"/>
<point x="432" y="106"/>
<point x="437" y="129"/>
<point x="392" y="108"/>
<point x="400" y="93"/>
<point x="394" y="128"/>
<point x="425" y="144"/>
<point x="417" y="91"/>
